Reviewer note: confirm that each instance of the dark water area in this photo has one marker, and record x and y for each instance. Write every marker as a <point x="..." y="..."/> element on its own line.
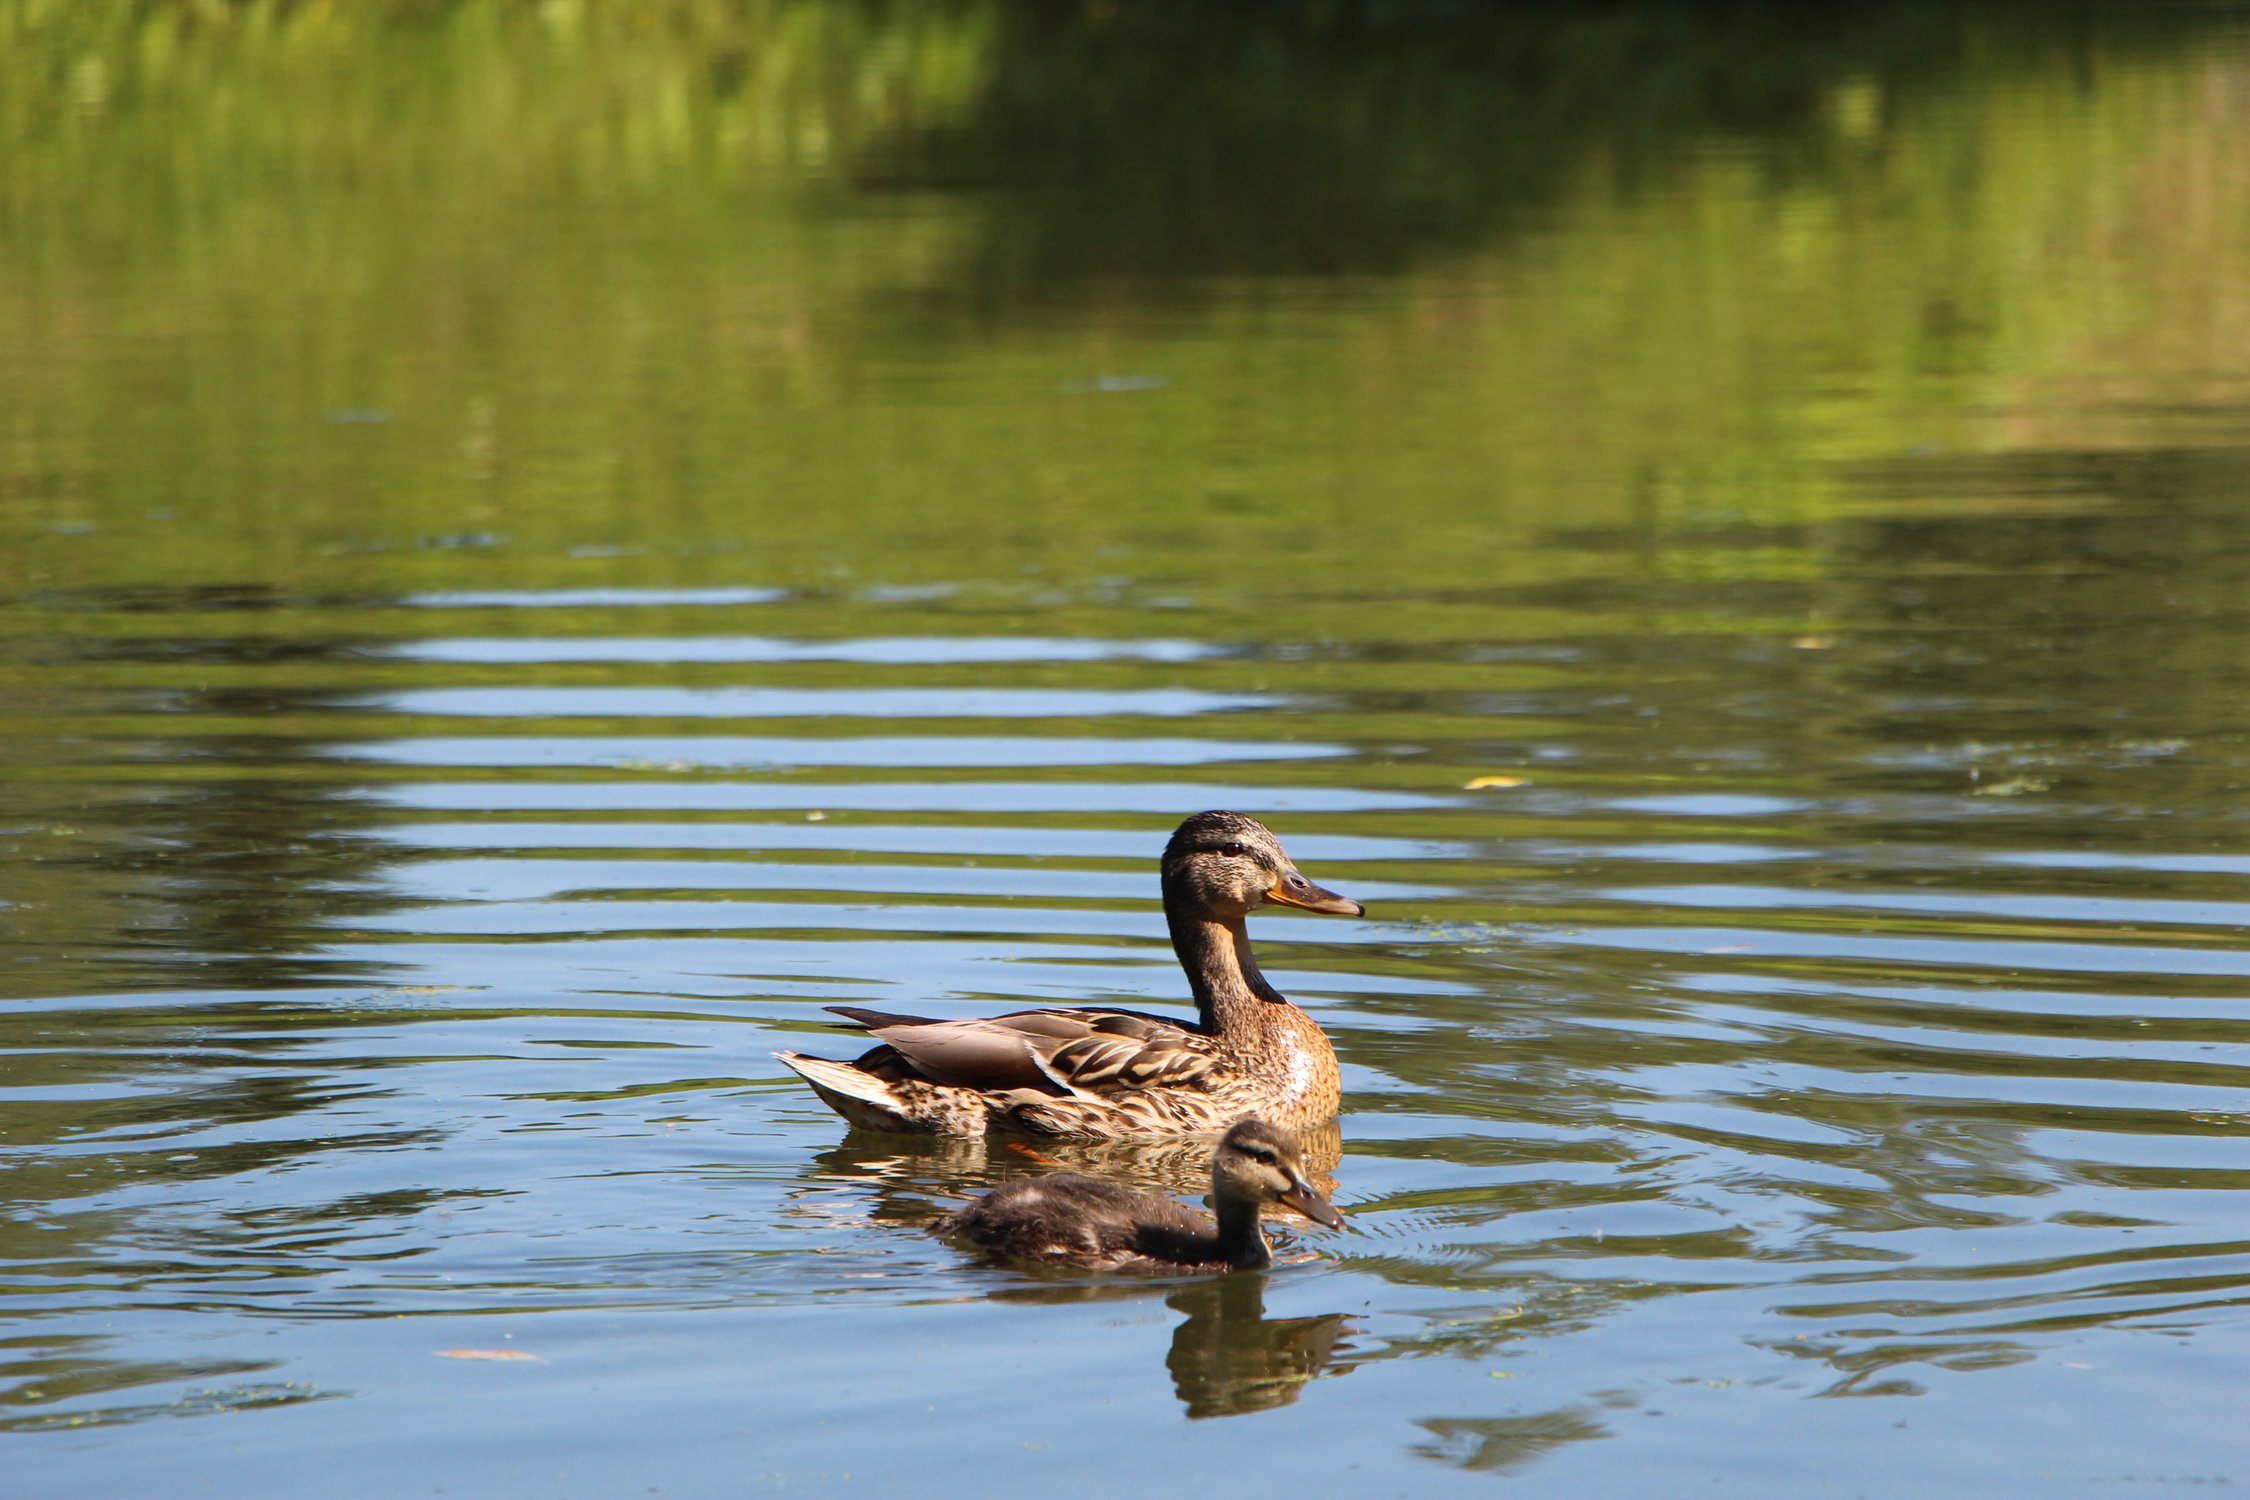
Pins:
<point x="542" y="545"/>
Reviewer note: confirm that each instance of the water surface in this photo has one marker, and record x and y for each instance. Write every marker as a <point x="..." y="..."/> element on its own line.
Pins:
<point x="540" y="547"/>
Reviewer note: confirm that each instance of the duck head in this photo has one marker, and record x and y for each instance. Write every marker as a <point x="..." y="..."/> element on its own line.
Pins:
<point x="1228" y="865"/>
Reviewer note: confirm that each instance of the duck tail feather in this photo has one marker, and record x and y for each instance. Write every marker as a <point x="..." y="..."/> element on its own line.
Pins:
<point x="859" y="1097"/>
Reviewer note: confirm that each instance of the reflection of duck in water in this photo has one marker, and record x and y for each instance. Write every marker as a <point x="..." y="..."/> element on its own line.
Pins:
<point x="1066" y="1219"/>
<point x="1229" y="1357"/>
<point x="906" y="1169"/>
<point x="1102" y="1073"/>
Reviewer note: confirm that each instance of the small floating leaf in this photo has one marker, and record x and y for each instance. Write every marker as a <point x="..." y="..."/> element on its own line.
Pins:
<point x="1487" y="783"/>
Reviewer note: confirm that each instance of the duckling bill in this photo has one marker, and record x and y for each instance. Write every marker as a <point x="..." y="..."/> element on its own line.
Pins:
<point x="1069" y="1219"/>
<point x="1099" y="1073"/>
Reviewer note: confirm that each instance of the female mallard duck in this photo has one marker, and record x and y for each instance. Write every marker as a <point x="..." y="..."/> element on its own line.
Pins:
<point x="1066" y="1219"/>
<point x="1104" y="1073"/>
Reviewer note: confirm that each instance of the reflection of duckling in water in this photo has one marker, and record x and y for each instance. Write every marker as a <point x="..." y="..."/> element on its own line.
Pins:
<point x="1066" y="1219"/>
<point x="1229" y="1357"/>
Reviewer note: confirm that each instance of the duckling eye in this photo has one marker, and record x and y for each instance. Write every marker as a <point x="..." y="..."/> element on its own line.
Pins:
<point x="1232" y="848"/>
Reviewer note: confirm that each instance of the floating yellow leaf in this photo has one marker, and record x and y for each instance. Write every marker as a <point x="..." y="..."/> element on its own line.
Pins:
<point x="1486" y="783"/>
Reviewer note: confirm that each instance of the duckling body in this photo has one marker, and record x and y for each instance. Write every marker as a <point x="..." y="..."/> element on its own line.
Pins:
<point x="1068" y="1219"/>
<point x="1097" y="1072"/>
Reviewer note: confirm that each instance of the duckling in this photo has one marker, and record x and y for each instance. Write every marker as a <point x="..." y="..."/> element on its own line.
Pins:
<point x="1100" y="1073"/>
<point x="1067" y="1219"/>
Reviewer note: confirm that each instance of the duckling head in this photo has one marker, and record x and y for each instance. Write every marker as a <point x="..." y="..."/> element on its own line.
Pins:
<point x="1258" y="1162"/>
<point x="1228" y="865"/>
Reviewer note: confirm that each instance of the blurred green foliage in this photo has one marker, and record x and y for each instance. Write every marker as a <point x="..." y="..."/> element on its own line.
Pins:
<point x="364" y="297"/>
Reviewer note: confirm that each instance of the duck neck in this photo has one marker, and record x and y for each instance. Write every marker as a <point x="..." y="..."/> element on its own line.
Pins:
<point x="1242" y="1237"/>
<point x="1228" y="988"/>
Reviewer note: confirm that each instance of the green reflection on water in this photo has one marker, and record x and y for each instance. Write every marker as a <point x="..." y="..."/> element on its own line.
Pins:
<point x="382" y="297"/>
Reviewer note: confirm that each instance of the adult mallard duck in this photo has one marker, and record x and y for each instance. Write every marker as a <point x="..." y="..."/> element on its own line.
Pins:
<point x="1066" y="1219"/>
<point x="1101" y="1073"/>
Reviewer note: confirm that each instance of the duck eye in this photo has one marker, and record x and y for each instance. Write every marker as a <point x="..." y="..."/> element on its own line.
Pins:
<point x="1232" y="847"/>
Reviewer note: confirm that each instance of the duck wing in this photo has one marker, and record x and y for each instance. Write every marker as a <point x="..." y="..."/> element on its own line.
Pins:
<point x="1089" y="1051"/>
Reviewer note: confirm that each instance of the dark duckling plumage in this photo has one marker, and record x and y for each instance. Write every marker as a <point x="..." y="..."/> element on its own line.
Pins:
<point x="1069" y="1219"/>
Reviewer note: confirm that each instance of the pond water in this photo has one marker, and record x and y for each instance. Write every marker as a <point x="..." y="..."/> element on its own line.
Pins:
<point x="540" y="546"/>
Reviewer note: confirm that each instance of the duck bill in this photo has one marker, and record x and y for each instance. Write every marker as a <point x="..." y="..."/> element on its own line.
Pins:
<point x="1292" y="889"/>
<point x="1305" y="1199"/>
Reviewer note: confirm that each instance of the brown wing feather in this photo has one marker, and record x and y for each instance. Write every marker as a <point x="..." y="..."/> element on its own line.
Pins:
<point x="967" y="1055"/>
<point x="869" y="1020"/>
<point x="1052" y="1051"/>
<point x="1104" y="1064"/>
